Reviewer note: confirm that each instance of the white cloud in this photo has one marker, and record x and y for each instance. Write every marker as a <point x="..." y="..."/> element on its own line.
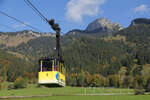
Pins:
<point x="141" y="9"/>
<point x="76" y="9"/>
<point x="21" y="25"/>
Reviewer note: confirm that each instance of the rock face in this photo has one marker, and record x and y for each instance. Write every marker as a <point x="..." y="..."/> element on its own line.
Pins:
<point x="100" y="26"/>
<point x="103" y="25"/>
<point x="140" y="21"/>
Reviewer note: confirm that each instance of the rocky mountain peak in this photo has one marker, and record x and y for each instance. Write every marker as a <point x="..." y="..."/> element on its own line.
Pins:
<point x="103" y="24"/>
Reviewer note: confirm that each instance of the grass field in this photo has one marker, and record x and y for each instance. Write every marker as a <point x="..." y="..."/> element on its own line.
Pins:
<point x="34" y="90"/>
<point x="119" y="97"/>
<point x="66" y="92"/>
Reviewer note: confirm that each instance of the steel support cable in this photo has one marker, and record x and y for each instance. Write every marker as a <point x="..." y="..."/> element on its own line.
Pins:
<point x="29" y="3"/>
<point x="36" y="10"/>
<point x="53" y="25"/>
<point x="3" y="13"/>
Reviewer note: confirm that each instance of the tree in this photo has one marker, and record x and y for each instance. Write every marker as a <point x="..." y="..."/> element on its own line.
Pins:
<point x="137" y="70"/>
<point x="73" y="80"/>
<point x="20" y="83"/>
<point x="128" y="82"/>
<point x="81" y="78"/>
<point x="0" y="83"/>
<point x="105" y="82"/>
<point x="6" y="64"/>
<point x="88" y="79"/>
<point x="148" y="85"/>
<point x="114" y="80"/>
<point x="30" y="76"/>
<point x="122" y="75"/>
<point x="96" y="80"/>
<point x="139" y="81"/>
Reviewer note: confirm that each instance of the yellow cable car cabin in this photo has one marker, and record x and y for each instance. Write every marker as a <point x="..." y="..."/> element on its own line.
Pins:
<point x="51" y="72"/>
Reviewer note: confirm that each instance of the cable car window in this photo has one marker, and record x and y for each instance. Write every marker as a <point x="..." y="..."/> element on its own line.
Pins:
<point x="59" y="67"/>
<point x="39" y="66"/>
<point x="46" y="66"/>
<point x="63" y="69"/>
<point x="56" y="65"/>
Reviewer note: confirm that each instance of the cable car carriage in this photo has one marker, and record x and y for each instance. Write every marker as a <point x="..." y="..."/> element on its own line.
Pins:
<point x="51" y="72"/>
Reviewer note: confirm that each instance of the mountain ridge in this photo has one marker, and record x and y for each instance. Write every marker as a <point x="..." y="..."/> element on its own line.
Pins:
<point x="138" y="21"/>
<point x="100" y="25"/>
<point x="127" y="51"/>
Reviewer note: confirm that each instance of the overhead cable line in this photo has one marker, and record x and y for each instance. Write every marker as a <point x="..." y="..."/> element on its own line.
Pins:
<point x="36" y="10"/>
<point x="53" y="25"/>
<point x="3" y="13"/>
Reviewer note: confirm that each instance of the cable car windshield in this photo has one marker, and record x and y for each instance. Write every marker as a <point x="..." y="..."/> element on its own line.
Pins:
<point x="46" y="66"/>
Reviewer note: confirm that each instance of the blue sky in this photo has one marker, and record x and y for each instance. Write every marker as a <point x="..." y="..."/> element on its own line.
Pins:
<point x="71" y="14"/>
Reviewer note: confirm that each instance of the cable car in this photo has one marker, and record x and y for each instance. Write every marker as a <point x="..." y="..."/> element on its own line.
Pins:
<point x="51" y="72"/>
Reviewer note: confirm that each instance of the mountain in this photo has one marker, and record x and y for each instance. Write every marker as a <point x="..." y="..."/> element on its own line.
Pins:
<point x="125" y="51"/>
<point x="129" y="48"/>
<point x="99" y="26"/>
<point x="140" y="21"/>
<point x="103" y="24"/>
<point x="14" y="39"/>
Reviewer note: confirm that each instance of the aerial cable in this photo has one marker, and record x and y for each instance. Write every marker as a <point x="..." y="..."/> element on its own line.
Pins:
<point x="51" y="22"/>
<point x="36" y="10"/>
<point x="3" y="13"/>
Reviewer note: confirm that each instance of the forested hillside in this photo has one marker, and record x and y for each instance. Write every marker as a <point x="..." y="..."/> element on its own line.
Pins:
<point x="117" y="59"/>
<point x="124" y="56"/>
<point x="13" y="65"/>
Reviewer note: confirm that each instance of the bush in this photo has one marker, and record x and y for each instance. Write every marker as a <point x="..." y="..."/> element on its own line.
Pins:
<point x="148" y="88"/>
<point x="11" y="86"/>
<point x="148" y="85"/>
<point x="20" y="83"/>
<point x="0" y="84"/>
<point x="139" y="91"/>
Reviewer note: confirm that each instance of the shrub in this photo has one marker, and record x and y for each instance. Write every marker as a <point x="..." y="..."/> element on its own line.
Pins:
<point x="20" y="83"/>
<point x="10" y="87"/>
<point x="31" y="77"/>
<point x="148" y="85"/>
<point x="0" y="84"/>
<point x="139" y="90"/>
<point x="148" y="88"/>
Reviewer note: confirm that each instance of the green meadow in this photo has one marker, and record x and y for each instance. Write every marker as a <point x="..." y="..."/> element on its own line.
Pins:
<point x="33" y="89"/>
<point x="114" y="97"/>
<point x="72" y="93"/>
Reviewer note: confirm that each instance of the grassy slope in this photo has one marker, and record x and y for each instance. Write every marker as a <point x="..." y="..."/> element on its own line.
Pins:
<point x="34" y="90"/>
<point x="124" y="97"/>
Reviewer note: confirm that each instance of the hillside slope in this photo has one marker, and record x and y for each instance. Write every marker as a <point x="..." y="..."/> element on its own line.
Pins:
<point x="126" y="50"/>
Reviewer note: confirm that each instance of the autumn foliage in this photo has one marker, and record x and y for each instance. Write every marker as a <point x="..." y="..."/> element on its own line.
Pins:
<point x="20" y="83"/>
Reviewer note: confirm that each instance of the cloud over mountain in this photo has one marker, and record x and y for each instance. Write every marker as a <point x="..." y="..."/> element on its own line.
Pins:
<point x="76" y="9"/>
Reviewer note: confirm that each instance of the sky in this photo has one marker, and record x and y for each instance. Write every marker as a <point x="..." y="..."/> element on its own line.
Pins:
<point x="70" y="14"/>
